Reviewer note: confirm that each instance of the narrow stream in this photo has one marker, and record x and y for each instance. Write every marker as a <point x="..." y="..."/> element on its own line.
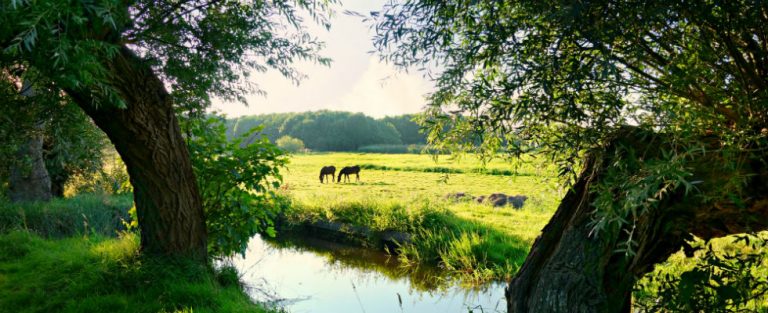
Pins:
<point x="314" y="275"/>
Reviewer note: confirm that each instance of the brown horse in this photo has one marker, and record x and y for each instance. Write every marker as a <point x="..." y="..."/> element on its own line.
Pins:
<point x="347" y="170"/>
<point x="327" y="170"/>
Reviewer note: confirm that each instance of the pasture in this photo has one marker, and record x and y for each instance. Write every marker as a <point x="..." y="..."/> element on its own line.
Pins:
<point x="407" y="193"/>
<point x="409" y="177"/>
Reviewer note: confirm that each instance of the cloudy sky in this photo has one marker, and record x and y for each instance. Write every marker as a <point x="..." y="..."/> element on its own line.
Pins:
<point x="356" y="81"/>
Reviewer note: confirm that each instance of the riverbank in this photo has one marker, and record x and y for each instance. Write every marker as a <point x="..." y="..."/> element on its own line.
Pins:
<point x="84" y="264"/>
<point x="473" y="242"/>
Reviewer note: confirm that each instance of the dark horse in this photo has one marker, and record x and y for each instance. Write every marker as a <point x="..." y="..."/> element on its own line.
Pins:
<point x="347" y="170"/>
<point x="325" y="171"/>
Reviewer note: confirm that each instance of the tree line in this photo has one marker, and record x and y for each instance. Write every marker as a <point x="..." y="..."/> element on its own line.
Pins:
<point x="330" y="130"/>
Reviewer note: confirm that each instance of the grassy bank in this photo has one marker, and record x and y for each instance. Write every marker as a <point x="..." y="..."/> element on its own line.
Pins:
<point x="96" y="274"/>
<point x="71" y="255"/>
<point x="473" y="250"/>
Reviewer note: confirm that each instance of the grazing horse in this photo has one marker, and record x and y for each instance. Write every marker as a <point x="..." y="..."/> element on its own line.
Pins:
<point x="347" y="170"/>
<point x="325" y="171"/>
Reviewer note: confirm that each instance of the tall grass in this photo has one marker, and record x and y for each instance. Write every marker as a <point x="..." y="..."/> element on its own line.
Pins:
<point x="83" y="214"/>
<point x="94" y="274"/>
<point x="466" y="248"/>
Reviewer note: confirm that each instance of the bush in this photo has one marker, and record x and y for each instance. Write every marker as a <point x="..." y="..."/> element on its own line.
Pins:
<point x="290" y="144"/>
<point x="237" y="183"/>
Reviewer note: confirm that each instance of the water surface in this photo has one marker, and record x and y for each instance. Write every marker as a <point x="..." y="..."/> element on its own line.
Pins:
<point x="319" y="276"/>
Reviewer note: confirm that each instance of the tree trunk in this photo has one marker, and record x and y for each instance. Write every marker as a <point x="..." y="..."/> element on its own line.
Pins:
<point x="570" y="269"/>
<point x="147" y="136"/>
<point x="29" y="179"/>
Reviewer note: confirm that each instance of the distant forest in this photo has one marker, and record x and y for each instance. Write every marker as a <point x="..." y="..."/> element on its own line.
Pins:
<point x="334" y="131"/>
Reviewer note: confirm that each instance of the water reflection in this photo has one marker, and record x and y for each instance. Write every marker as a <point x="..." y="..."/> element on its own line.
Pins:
<point x="315" y="275"/>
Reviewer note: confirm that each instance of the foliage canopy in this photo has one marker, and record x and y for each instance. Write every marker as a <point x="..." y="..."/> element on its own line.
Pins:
<point x="564" y="78"/>
<point x="562" y="74"/>
<point x="199" y="48"/>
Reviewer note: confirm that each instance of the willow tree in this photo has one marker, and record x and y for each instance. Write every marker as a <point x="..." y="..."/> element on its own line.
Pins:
<point x="657" y="110"/>
<point x="133" y="65"/>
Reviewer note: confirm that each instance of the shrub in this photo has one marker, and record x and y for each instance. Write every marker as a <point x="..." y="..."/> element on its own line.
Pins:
<point x="290" y="144"/>
<point x="236" y="182"/>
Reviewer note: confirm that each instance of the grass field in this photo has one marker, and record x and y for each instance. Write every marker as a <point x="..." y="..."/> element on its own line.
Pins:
<point x="416" y="177"/>
<point x="407" y="193"/>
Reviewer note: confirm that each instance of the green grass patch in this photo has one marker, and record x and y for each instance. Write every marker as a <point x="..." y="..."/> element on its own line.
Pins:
<point x="79" y="215"/>
<point x="95" y="274"/>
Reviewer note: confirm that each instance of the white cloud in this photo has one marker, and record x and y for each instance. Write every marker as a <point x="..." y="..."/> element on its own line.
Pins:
<point x="381" y="90"/>
<point x="356" y="81"/>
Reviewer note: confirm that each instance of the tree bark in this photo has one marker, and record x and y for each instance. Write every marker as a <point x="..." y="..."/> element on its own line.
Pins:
<point x="570" y="269"/>
<point x="147" y="136"/>
<point x="29" y="179"/>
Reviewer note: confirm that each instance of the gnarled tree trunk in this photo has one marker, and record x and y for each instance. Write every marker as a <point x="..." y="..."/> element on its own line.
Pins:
<point x="570" y="269"/>
<point x="147" y="136"/>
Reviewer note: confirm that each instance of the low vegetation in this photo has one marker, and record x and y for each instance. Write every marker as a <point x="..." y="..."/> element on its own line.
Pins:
<point x="99" y="274"/>
<point x="64" y="255"/>
<point x="75" y="255"/>
<point x="473" y="250"/>
<point x="392" y="149"/>
<point x="85" y="214"/>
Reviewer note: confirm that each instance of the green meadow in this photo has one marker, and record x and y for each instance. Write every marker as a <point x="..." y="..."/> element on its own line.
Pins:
<point x="408" y="177"/>
<point x="407" y="193"/>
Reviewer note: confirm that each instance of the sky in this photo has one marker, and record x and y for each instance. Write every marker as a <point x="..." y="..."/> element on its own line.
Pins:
<point x="356" y="81"/>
